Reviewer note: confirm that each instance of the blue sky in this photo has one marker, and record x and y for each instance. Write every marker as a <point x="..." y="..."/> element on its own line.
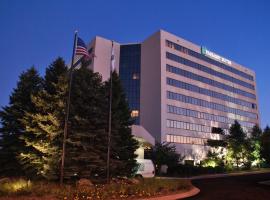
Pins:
<point x="36" y="32"/>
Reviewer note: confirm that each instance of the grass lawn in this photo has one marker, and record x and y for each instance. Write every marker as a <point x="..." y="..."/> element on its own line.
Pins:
<point x="123" y="189"/>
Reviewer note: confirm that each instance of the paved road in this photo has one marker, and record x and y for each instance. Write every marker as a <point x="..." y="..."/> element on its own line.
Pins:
<point x="245" y="187"/>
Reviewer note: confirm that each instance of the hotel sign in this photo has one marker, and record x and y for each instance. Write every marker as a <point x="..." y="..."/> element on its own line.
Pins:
<point x="217" y="57"/>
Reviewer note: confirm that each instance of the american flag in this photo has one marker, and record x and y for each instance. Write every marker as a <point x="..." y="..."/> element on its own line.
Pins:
<point x="81" y="48"/>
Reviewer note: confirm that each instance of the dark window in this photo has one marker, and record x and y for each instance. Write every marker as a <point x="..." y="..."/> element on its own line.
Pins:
<point x="212" y="105"/>
<point x="208" y="70"/>
<point x="207" y="59"/>
<point x="207" y="92"/>
<point x="217" y="130"/>
<point x="129" y="71"/>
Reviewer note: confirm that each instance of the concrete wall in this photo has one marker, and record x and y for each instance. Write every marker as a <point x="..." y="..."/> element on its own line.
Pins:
<point x="197" y="152"/>
<point x="150" y="95"/>
<point x="102" y="61"/>
<point x="175" y="39"/>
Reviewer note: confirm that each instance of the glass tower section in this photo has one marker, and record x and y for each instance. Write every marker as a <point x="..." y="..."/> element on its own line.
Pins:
<point x="130" y="73"/>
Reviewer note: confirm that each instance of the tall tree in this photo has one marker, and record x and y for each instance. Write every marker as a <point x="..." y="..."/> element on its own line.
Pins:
<point x="266" y="145"/>
<point x="255" y="146"/>
<point x="237" y="145"/>
<point x="87" y="136"/>
<point x="44" y="125"/>
<point x="12" y="129"/>
<point x="123" y="144"/>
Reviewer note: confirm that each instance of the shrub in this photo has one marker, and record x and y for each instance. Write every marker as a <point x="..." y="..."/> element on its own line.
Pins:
<point x="15" y="186"/>
<point x="190" y="170"/>
<point x="118" y="189"/>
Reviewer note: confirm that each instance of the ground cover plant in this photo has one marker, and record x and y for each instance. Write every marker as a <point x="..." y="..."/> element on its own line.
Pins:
<point x="117" y="189"/>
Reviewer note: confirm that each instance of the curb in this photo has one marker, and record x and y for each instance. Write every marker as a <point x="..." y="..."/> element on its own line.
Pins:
<point x="209" y="176"/>
<point x="226" y="175"/>
<point x="194" y="191"/>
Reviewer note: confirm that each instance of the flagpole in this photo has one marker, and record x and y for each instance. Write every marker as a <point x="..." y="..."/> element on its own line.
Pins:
<point x="67" y="111"/>
<point x="110" y="121"/>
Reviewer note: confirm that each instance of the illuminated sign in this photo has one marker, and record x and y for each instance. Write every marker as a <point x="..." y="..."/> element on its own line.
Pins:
<point x="211" y="54"/>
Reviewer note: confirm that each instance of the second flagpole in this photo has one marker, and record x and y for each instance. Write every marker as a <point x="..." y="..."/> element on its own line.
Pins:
<point x="67" y="111"/>
<point x="110" y="118"/>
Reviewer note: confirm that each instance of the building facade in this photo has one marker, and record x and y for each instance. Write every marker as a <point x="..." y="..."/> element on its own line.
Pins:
<point x="181" y="92"/>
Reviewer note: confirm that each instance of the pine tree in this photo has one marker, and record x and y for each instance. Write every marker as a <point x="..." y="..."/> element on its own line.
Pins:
<point x="123" y="145"/>
<point x="237" y="145"/>
<point x="256" y="132"/>
<point x="266" y="145"/>
<point x="87" y="137"/>
<point x="44" y="125"/>
<point x="255" y="145"/>
<point x="12" y="129"/>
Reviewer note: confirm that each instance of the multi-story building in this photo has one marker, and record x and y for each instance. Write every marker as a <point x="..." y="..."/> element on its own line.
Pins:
<point x="180" y="92"/>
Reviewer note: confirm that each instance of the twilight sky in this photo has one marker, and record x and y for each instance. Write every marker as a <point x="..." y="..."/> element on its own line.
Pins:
<point x="36" y="32"/>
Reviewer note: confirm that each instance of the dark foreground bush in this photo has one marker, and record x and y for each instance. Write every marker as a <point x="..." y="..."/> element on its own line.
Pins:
<point x="190" y="170"/>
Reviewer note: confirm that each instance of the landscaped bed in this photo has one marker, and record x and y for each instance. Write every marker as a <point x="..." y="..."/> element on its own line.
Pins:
<point x="118" y="189"/>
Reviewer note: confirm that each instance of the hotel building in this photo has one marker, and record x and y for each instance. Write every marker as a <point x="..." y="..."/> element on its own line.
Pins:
<point x="180" y="92"/>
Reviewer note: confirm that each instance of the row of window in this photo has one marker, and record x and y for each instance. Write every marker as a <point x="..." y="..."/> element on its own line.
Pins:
<point x="186" y="140"/>
<point x="191" y="126"/>
<point x="188" y="126"/>
<point x="208" y="81"/>
<point x="207" y="59"/>
<point x="207" y="116"/>
<point x="207" y="92"/>
<point x="207" y="104"/>
<point x="208" y="70"/>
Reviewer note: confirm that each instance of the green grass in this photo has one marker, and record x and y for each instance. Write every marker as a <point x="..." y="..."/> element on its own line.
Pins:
<point x="122" y="189"/>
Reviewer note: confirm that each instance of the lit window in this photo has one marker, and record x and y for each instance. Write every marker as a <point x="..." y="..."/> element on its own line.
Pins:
<point x="168" y="123"/>
<point x="171" y="125"/>
<point x="185" y="125"/>
<point x="183" y="140"/>
<point x="175" y="138"/>
<point x="171" y="138"/>
<point x="168" y="138"/>
<point x="134" y="113"/>
<point x="178" y="139"/>
<point x="135" y="76"/>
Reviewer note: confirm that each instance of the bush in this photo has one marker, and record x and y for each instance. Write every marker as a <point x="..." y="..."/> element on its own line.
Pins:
<point x="15" y="186"/>
<point x="118" y="189"/>
<point x="190" y="170"/>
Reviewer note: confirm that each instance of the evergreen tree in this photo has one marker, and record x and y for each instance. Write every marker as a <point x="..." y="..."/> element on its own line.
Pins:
<point x="12" y="129"/>
<point x="123" y="144"/>
<point x="237" y="145"/>
<point x="87" y="136"/>
<point x="255" y="145"/>
<point x="256" y="132"/>
<point x="213" y="159"/>
<point x="44" y="125"/>
<point x="265" y="152"/>
<point x="165" y="154"/>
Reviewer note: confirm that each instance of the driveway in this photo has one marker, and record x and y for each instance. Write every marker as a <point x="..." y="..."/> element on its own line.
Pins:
<point x="244" y="187"/>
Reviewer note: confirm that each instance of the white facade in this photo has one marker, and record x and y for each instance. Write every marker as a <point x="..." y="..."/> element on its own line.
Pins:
<point x="207" y="99"/>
